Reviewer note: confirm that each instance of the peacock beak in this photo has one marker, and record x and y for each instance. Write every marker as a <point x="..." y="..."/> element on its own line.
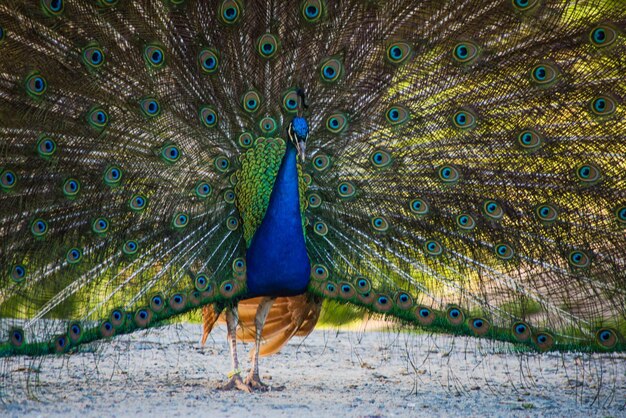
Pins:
<point x="301" y="147"/>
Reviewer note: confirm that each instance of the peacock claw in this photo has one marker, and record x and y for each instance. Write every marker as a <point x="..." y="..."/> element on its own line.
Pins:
<point x="254" y="382"/>
<point x="235" y="383"/>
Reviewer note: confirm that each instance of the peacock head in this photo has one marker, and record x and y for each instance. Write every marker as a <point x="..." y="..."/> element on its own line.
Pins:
<point x="298" y="129"/>
<point x="298" y="134"/>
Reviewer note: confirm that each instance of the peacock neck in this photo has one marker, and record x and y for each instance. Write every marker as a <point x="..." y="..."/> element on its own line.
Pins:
<point x="278" y="263"/>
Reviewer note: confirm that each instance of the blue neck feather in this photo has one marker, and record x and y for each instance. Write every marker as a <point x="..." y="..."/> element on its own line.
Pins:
<point x="277" y="260"/>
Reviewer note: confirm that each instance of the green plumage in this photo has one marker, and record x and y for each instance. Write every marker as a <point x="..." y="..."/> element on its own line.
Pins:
<point x="464" y="172"/>
<point x="255" y="181"/>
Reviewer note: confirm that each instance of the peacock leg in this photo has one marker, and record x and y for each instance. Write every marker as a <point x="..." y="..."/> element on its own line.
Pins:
<point x="253" y="380"/>
<point x="235" y="382"/>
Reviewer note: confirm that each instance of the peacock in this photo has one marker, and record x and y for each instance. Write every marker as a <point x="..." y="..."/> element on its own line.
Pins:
<point x="454" y="166"/>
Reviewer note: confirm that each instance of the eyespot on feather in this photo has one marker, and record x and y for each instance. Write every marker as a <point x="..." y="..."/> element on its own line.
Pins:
<point x="346" y="189"/>
<point x="464" y="119"/>
<point x="521" y="331"/>
<point x="398" y="53"/>
<point x="336" y="123"/>
<point x="36" y="85"/>
<point x="543" y="340"/>
<point x="208" y="116"/>
<point x="455" y="315"/>
<point x="130" y="247"/>
<point x="588" y="174"/>
<point x="18" y="273"/>
<point x="433" y="248"/>
<point x="267" y="46"/>
<point x="465" y="221"/>
<point x="98" y="118"/>
<point x="331" y="70"/>
<point x="607" y="338"/>
<point x="228" y="289"/>
<point x="403" y="300"/>
<point x="251" y="101"/>
<point x="201" y="282"/>
<point x="8" y="179"/>
<point x="578" y="259"/>
<point x="346" y="291"/>
<point x="319" y="272"/>
<point x="93" y="56"/>
<point x="321" y="162"/>
<point x="154" y="56"/>
<point x="320" y="228"/>
<point x="546" y="213"/>
<point x="397" y="115"/>
<point x="381" y="159"/>
<point x="603" y="105"/>
<point x="180" y="220"/>
<point x="424" y="315"/>
<point x="379" y="224"/>
<point x="544" y="75"/>
<point x="53" y="8"/>
<point x="230" y="12"/>
<point x="312" y="10"/>
<point x="39" y="228"/>
<point x="530" y="140"/>
<point x="448" y="174"/>
<point x="479" y="326"/>
<point x="178" y="302"/>
<point x="382" y="303"/>
<point x="504" y="251"/>
<point x="465" y="52"/>
<point x="291" y="101"/>
<point x="74" y="256"/>
<point x="71" y="188"/>
<point x="525" y="5"/>
<point x="143" y="317"/>
<point x="492" y="209"/>
<point x="603" y="36"/>
<point x="208" y="60"/>
<point x="419" y="207"/>
<point x="100" y="225"/>
<point x="229" y="196"/>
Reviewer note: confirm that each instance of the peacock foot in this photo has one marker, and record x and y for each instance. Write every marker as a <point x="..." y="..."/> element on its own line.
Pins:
<point x="236" y="383"/>
<point x="254" y="382"/>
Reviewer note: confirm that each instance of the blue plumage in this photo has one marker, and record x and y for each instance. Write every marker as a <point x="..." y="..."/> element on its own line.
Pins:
<point x="278" y="263"/>
<point x="300" y="127"/>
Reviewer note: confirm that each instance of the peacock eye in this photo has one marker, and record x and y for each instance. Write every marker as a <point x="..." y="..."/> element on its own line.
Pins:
<point x="180" y="220"/>
<point x="245" y="140"/>
<point x="465" y="52"/>
<point x="312" y="10"/>
<point x="154" y="56"/>
<point x="36" y="85"/>
<point x="331" y="70"/>
<point x="208" y="60"/>
<point x="170" y="153"/>
<point x="53" y="7"/>
<point x="93" y="56"/>
<point x="46" y="147"/>
<point x="464" y="119"/>
<point x="603" y="36"/>
<point x="208" y="116"/>
<point x="603" y="105"/>
<point x="398" y="53"/>
<point x="230" y="12"/>
<point x="267" y="46"/>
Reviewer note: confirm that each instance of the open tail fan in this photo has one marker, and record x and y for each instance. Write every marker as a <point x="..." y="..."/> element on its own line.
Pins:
<point x="461" y="166"/>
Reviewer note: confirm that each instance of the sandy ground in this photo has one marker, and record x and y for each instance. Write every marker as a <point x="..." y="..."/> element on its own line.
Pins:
<point x="331" y="373"/>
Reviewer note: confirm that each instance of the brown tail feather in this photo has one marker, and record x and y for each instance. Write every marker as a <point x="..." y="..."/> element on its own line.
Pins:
<point x="289" y="316"/>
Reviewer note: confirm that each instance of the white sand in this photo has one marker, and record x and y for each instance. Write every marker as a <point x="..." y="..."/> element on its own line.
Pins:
<point x="166" y="373"/>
